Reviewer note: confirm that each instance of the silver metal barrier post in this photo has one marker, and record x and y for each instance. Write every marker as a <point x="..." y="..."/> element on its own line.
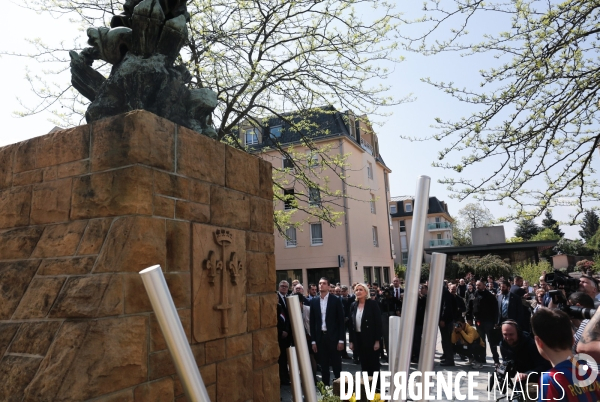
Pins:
<point x="168" y="319"/>
<point x="295" y="311"/>
<point x="294" y="374"/>
<point x="413" y="273"/>
<point x="432" y="312"/>
<point x="394" y="345"/>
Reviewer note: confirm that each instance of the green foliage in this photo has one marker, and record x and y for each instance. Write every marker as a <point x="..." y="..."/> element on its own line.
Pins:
<point x="571" y="247"/>
<point x="461" y="234"/>
<point x="545" y="234"/>
<point x="550" y="223"/>
<point x="526" y="229"/>
<point x="425" y="270"/>
<point x="589" y="225"/>
<point x="593" y="244"/>
<point x="483" y="266"/>
<point x="531" y="272"/>
<point x="475" y="216"/>
<point x="400" y="271"/>
<point x="515" y="240"/>
<point x="533" y="133"/>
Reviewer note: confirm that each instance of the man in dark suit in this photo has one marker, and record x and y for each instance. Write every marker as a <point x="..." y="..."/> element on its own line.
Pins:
<point x="284" y="333"/>
<point x="447" y="316"/>
<point x="510" y="306"/>
<point x="327" y="330"/>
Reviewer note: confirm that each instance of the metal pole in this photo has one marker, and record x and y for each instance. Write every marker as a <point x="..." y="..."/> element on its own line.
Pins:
<point x="168" y="319"/>
<point x="394" y="344"/>
<point x="413" y="273"/>
<point x="432" y="312"/>
<point x="294" y="374"/>
<point x="295" y="311"/>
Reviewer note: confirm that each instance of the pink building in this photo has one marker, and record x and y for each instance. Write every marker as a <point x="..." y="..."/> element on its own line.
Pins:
<point x="359" y="247"/>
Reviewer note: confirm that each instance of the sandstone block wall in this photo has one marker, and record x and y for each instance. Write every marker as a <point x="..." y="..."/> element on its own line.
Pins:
<point x="82" y="211"/>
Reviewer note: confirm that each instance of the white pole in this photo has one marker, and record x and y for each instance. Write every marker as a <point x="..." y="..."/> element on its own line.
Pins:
<point x="394" y="337"/>
<point x="294" y="374"/>
<point x="168" y="319"/>
<point x="308" y="385"/>
<point x="413" y="273"/>
<point x="432" y="312"/>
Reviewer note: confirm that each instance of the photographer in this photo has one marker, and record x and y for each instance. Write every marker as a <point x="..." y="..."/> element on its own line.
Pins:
<point x="519" y="347"/>
<point x="466" y="342"/>
<point x="554" y="339"/>
<point x="579" y="299"/>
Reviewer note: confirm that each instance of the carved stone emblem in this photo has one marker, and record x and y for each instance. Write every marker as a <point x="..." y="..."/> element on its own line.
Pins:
<point x="219" y="282"/>
<point x="223" y="238"/>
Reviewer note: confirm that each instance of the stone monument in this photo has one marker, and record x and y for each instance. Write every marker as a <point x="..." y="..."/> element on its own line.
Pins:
<point x="83" y="210"/>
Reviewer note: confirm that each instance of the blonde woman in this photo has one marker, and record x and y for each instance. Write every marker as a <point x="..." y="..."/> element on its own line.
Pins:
<point x="365" y="329"/>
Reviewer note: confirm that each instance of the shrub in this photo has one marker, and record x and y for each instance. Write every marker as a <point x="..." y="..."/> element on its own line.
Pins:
<point x="531" y="272"/>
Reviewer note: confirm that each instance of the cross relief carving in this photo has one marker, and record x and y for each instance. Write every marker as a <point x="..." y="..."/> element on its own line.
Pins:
<point x="227" y="265"/>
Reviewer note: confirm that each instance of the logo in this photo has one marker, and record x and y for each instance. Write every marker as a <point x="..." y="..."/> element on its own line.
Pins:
<point x="586" y="370"/>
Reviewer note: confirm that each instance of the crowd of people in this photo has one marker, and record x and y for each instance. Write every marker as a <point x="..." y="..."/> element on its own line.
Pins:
<point x="511" y="317"/>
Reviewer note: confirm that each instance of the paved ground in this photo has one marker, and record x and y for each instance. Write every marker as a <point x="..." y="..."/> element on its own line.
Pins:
<point x="482" y="379"/>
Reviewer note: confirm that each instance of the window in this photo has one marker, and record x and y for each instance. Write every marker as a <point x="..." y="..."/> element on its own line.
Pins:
<point x="437" y="220"/>
<point x="408" y="207"/>
<point x="367" y="275"/>
<point x="439" y="236"/>
<point x="404" y="258"/>
<point x="375" y="238"/>
<point x="316" y="234"/>
<point x="251" y="136"/>
<point x="372" y="202"/>
<point x="291" y="240"/>
<point x="314" y="197"/>
<point x="386" y="275"/>
<point x="275" y="132"/>
<point x="403" y="243"/>
<point x="369" y="170"/>
<point x="287" y="163"/>
<point x="311" y="159"/>
<point x="378" y="276"/>
<point x="402" y="226"/>
<point x="289" y="199"/>
<point x="393" y="209"/>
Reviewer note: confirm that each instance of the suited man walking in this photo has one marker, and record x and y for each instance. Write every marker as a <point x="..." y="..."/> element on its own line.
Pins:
<point x="284" y="332"/>
<point x="510" y="306"/>
<point x="327" y="330"/>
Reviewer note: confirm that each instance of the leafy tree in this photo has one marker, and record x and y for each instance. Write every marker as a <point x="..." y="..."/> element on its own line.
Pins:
<point x="550" y="223"/>
<point x="475" y="216"/>
<point x="593" y="244"/>
<point x="515" y="240"/>
<point x="571" y="247"/>
<point x="526" y="229"/>
<point x="263" y="58"/>
<point x="483" y="266"/>
<point x="589" y="225"/>
<point x="545" y="234"/>
<point x="531" y="272"/>
<point x="461" y="234"/>
<point x="536" y="109"/>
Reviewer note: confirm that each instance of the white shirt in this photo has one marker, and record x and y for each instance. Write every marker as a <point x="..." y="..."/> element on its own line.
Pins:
<point x="323" y="301"/>
<point x="359" y="314"/>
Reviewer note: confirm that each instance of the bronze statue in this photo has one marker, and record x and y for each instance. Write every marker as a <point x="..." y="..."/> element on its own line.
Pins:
<point x="142" y="46"/>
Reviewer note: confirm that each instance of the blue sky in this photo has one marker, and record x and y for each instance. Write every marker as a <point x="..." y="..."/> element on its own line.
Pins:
<point x="408" y="160"/>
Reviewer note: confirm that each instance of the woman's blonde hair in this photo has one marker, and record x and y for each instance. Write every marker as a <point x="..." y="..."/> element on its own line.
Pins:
<point x="364" y="286"/>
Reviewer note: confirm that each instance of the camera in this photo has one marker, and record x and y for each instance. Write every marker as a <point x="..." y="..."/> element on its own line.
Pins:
<point x="506" y="368"/>
<point x="387" y="292"/>
<point x="457" y="325"/>
<point x="578" y="312"/>
<point x="560" y="280"/>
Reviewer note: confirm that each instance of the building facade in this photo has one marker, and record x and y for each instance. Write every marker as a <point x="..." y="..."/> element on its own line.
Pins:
<point x="438" y="232"/>
<point x="359" y="247"/>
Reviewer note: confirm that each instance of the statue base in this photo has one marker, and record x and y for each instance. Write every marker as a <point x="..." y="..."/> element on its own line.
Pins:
<point x="82" y="211"/>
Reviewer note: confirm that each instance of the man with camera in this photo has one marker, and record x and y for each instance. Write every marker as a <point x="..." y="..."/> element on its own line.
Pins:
<point x="554" y="339"/>
<point x="466" y="342"/>
<point x="519" y="347"/>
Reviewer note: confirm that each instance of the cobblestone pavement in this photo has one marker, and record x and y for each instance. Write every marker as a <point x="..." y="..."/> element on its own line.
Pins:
<point x="482" y="379"/>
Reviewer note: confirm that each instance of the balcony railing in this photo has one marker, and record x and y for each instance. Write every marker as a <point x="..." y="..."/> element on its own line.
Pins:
<point x="366" y="146"/>
<point x="439" y="226"/>
<point x="440" y="243"/>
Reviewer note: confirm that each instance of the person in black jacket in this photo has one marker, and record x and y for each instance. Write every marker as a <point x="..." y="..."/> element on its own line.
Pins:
<point x="419" y="322"/>
<point x="519" y="346"/>
<point x="510" y="306"/>
<point x="327" y="336"/>
<point x="447" y="316"/>
<point x="365" y="329"/>
<point x="482" y="311"/>
<point x="283" y="338"/>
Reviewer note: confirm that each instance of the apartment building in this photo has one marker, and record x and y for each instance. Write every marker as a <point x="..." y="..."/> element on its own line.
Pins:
<point x="359" y="247"/>
<point x="438" y="232"/>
